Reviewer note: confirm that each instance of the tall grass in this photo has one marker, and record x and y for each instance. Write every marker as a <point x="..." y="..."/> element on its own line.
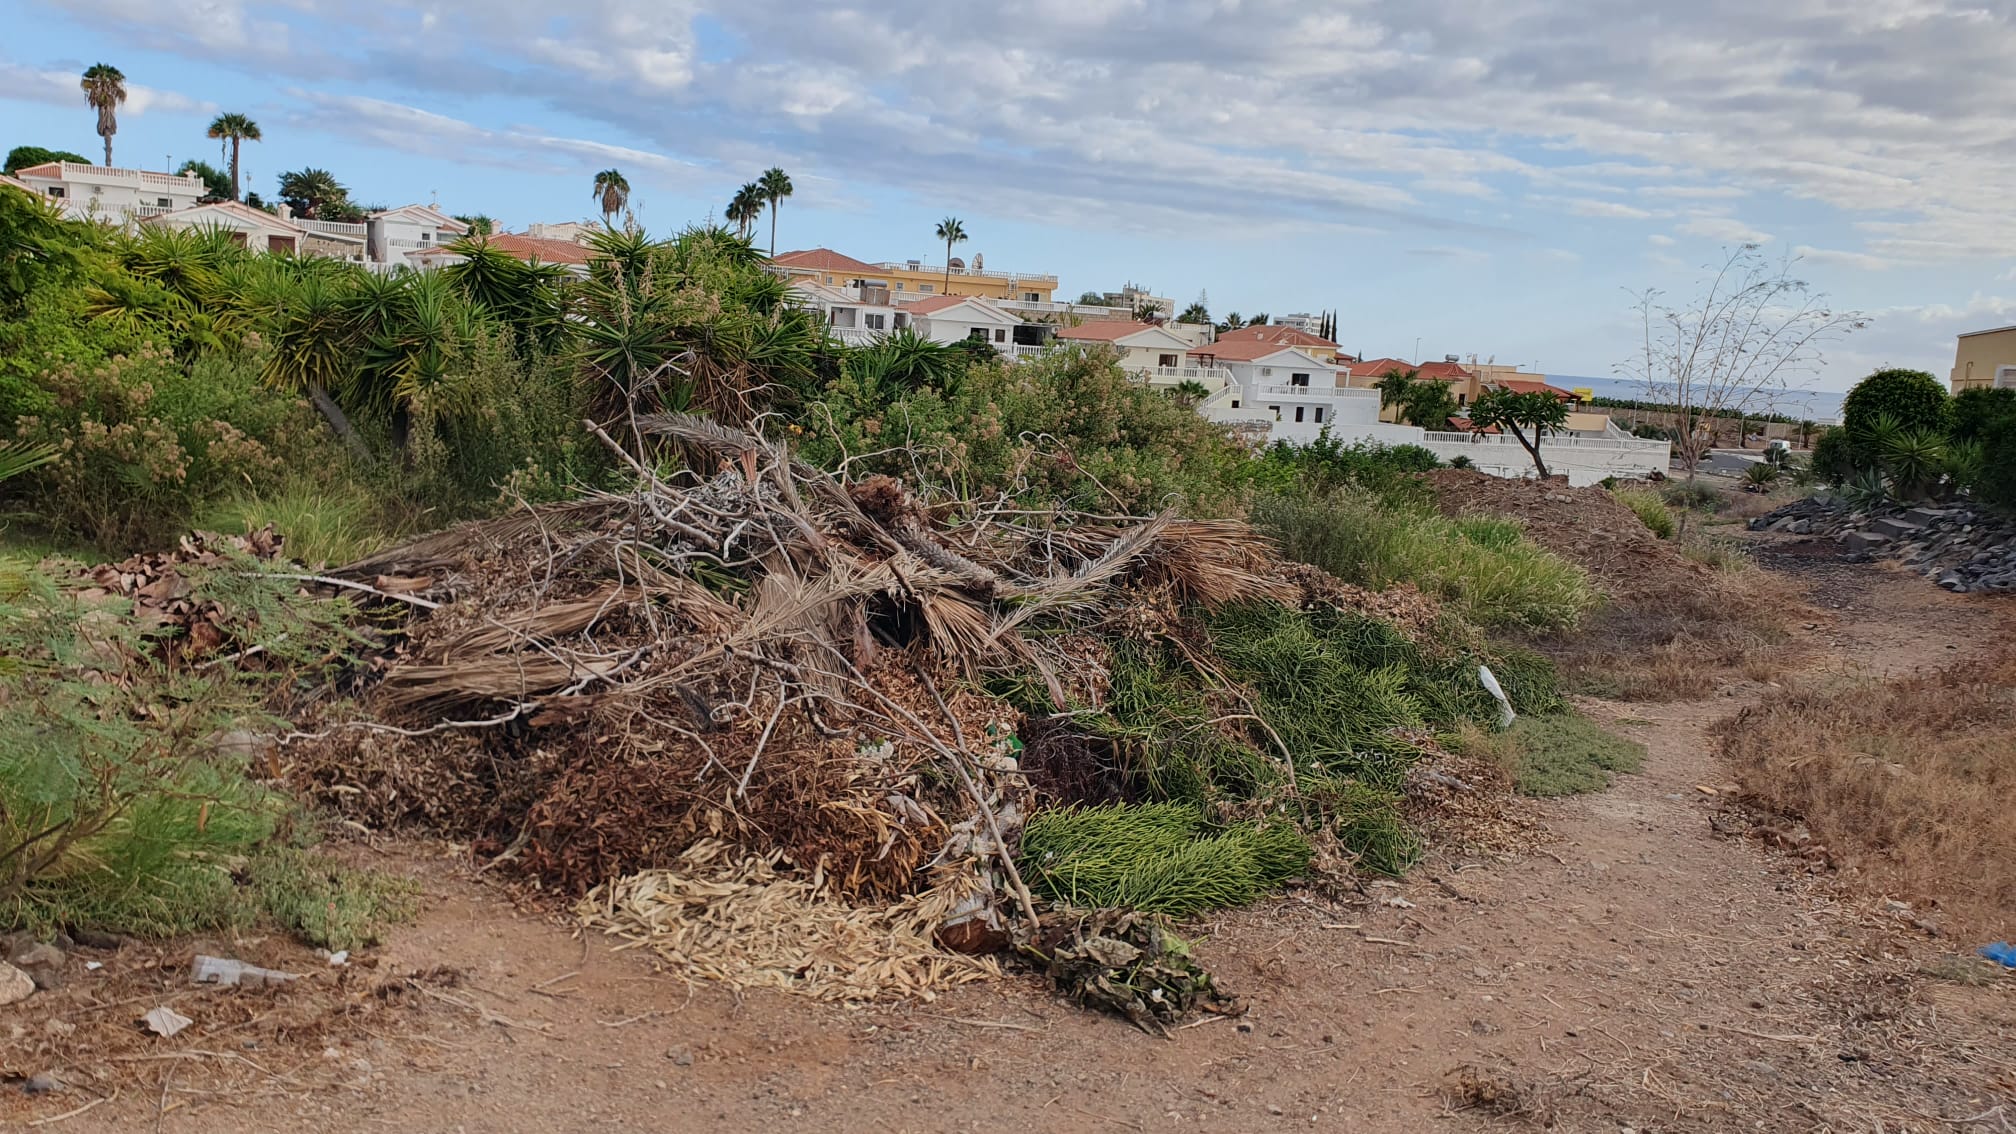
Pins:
<point x="321" y="524"/>
<point x="1910" y="780"/>
<point x="1650" y="509"/>
<point x="1484" y="567"/>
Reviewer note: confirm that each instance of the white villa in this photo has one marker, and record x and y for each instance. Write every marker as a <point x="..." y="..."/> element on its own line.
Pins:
<point x="117" y="196"/>
<point x="395" y="234"/>
<point x="269" y="232"/>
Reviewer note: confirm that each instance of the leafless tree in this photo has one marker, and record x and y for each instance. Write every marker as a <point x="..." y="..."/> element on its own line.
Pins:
<point x="1731" y="351"/>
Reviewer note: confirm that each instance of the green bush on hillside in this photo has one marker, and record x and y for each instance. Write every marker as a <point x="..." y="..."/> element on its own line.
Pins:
<point x="1650" y="508"/>
<point x="1483" y="568"/>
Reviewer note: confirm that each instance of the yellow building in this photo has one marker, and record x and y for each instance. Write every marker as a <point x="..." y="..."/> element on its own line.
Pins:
<point x="1985" y="359"/>
<point x="913" y="278"/>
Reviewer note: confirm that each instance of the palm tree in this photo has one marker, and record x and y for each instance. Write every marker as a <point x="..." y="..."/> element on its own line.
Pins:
<point x="1393" y="386"/>
<point x="745" y="207"/>
<point x="105" y="88"/>
<point x="613" y="190"/>
<point x="308" y="190"/>
<point x="776" y="186"/>
<point x="234" y="128"/>
<point x="951" y="232"/>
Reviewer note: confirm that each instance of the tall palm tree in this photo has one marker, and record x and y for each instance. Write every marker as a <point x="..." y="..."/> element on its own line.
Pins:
<point x="105" y="89"/>
<point x="613" y="190"/>
<point x="234" y="128"/>
<point x="776" y="186"/>
<point x="951" y="231"/>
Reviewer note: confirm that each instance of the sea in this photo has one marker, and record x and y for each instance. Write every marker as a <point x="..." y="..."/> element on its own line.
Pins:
<point x="1823" y="406"/>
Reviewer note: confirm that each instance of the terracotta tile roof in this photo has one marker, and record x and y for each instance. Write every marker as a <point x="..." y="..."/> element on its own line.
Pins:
<point x="18" y="184"/>
<point x="1103" y="331"/>
<point x="935" y="304"/>
<point x="1283" y="336"/>
<point x="825" y="260"/>
<point x="539" y="248"/>
<point x="1527" y="386"/>
<point x="1243" y="350"/>
<point x="1377" y="368"/>
<point x="1444" y="371"/>
<point x="46" y="169"/>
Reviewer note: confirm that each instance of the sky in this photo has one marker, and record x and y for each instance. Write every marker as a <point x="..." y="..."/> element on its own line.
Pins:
<point x="1488" y="177"/>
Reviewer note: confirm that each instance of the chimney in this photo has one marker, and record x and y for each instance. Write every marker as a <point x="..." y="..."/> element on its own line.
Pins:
<point x="283" y="211"/>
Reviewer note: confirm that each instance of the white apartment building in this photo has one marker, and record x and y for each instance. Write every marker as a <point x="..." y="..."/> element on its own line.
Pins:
<point x="855" y="315"/>
<point x="116" y="196"/>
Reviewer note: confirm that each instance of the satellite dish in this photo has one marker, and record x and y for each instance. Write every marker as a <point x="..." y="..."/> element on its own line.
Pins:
<point x="978" y="259"/>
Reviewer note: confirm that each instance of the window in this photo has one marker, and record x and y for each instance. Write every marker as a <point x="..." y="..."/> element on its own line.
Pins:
<point x="977" y="334"/>
<point x="1235" y="403"/>
<point x="426" y="238"/>
<point x="1319" y="415"/>
<point x="899" y="285"/>
<point x="1266" y="372"/>
<point x="829" y="279"/>
<point x="164" y="202"/>
<point x="55" y="190"/>
<point x="875" y="322"/>
<point x="1298" y="379"/>
<point x="1032" y="297"/>
<point x="902" y="320"/>
<point x="1166" y="361"/>
<point x="1298" y="413"/>
<point x="1276" y="411"/>
<point x="1000" y="334"/>
<point x="1462" y="400"/>
<point x="927" y="289"/>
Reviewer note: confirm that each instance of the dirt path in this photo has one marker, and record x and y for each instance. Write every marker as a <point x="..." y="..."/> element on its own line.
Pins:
<point x="1642" y="973"/>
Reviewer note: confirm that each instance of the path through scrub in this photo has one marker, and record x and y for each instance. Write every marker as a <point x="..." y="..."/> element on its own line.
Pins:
<point x="1641" y="971"/>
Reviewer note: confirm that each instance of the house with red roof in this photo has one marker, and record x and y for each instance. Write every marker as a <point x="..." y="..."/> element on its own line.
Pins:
<point x="262" y="231"/>
<point x="1316" y="345"/>
<point x="114" y="195"/>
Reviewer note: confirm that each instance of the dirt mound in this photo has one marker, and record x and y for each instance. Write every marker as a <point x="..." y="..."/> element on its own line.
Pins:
<point x="1586" y="526"/>
<point x="1674" y="628"/>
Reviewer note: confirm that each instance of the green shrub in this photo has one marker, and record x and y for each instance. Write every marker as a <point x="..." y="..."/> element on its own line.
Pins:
<point x="1066" y="429"/>
<point x="1835" y="459"/>
<point x="1650" y="509"/>
<point x="1692" y="495"/>
<point x="1485" y="568"/>
<point x="119" y="808"/>
<point x="1984" y="425"/>
<point x="144" y="441"/>
<point x="1912" y="399"/>
<point x="1563" y="754"/>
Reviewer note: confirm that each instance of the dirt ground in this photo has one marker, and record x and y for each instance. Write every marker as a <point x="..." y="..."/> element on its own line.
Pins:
<point x="1641" y="972"/>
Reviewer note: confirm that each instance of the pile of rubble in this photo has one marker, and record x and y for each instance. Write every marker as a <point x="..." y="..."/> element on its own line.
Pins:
<point x="1962" y="547"/>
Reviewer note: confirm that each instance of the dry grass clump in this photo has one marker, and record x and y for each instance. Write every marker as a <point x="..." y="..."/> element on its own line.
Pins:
<point x="1909" y="780"/>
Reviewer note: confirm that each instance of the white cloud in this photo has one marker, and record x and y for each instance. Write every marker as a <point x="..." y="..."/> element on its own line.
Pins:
<point x="60" y="88"/>
<point x="1660" y="240"/>
<point x="1861" y="260"/>
<point x="1728" y="230"/>
<point x="1891" y="113"/>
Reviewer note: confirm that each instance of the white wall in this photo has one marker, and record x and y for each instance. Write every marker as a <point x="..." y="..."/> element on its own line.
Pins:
<point x="393" y="236"/>
<point x="96" y="192"/>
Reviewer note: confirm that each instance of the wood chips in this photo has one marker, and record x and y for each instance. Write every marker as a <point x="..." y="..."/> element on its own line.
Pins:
<point x="747" y="922"/>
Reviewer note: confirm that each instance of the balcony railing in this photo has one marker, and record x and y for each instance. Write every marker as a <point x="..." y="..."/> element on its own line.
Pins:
<point x="939" y="270"/>
<point x="104" y="174"/>
<point x="1170" y="375"/>
<point x="334" y="228"/>
<point x="152" y="210"/>
<point x="1554" y="440"/>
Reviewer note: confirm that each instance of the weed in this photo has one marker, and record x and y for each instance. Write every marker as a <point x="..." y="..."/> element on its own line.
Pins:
<point x="1910" y="779"/>
<point x="1484" y="567"/>
<point x="1973" y="972"/>
<point x="1650" y="509"/>
<point x="1693" y="495"/>
<point x="1156" y="857"/>
<point x="321" y="524"/>
<point x="325" y="903"/>
<point x="1564" y="754"/>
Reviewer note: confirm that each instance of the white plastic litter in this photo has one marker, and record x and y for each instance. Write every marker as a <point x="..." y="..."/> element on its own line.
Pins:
<point x="165" y="1021"/>
<point x="1505" y="714"/>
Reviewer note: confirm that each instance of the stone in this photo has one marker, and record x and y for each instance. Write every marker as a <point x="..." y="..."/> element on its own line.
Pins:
<point x="42" y="1083"/>
<point x="15" y="985"/>
<point x="1895" y="528"/>
<point x="1864" y="542"/>
<point x="42" y="962"/>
